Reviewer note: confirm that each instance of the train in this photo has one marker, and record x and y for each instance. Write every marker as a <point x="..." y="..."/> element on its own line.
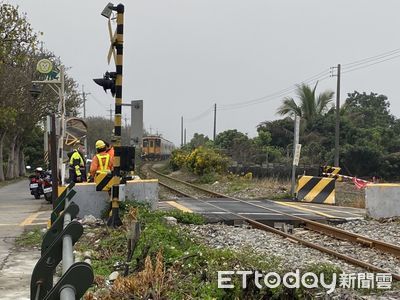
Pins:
<point x="156" y="148"/>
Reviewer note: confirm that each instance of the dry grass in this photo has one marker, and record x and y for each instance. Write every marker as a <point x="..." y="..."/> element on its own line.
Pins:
<point x="151" y="283"/>
<point x="257" y="188"/>
<point x="271" y="183"/>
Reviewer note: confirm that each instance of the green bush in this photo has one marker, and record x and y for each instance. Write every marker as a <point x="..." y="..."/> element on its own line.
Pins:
<point x="178" y="159"/>
<point x="390" y="166"/>
<point x="206" y="161"/>
<point x="208" y="178"/>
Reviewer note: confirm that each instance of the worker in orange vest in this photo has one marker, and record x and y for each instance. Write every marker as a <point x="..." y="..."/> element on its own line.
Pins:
<point x="102" y="162"/>
<point x="109" y="149"/>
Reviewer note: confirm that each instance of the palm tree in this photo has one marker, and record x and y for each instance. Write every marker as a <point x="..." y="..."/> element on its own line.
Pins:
<point x="309" y="107"/>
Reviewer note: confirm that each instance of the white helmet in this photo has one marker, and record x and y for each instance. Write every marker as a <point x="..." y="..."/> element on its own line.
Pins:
<point x="39" y="169"/>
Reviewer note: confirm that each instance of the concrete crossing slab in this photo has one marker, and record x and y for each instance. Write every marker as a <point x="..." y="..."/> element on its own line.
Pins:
<point x="229" y="210"/>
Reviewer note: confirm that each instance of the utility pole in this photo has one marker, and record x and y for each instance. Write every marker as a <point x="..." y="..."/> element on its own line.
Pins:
<point x="295" y="142"/>
<point x="53" y="159"/>
<point x="126" y="129"/>
<point x="84" y="113"/>
<point x="337" y="125"/>
<point x="84" y="101"/>
<point x="184" y="139"/>
<point x="215" y="121"/>
<point x="181" y="131"/>
<point x="110" y="111"/>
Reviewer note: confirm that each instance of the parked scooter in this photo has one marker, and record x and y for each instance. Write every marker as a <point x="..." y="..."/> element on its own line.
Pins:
<point x="40" y="184"/>
<point x="47" y="187"/>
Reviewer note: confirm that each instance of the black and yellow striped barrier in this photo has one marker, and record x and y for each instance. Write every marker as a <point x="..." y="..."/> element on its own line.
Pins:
<point x="332" y="171"/>
<point x="104" y="181"/>
<point x="316" y="189"/>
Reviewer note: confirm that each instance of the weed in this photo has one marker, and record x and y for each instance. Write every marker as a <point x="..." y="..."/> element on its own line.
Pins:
<point x="168" y="263"/>
<point x="30" y="239"/>
<point x="284" y="196"/>
<point x="318" y="268"/>
<point x="208" y="178"/>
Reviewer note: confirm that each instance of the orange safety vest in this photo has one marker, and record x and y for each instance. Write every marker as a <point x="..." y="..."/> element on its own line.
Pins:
<point x="103" y="168"/>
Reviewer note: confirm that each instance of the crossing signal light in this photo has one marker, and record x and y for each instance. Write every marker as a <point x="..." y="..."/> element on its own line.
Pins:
<point x="107" y="82"/>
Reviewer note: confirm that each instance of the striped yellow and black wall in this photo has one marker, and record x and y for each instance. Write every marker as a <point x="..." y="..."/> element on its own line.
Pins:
<point x="104" y="181"/>
<point x="316" y="189"/>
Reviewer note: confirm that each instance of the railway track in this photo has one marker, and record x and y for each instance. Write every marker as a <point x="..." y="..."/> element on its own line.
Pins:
<point x="335" y="233"/>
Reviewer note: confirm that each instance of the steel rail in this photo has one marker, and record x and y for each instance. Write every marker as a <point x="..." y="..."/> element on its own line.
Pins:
<point x="262" y="226"/>
<point x="312" y="225"/>
<point x="175" y="190"/>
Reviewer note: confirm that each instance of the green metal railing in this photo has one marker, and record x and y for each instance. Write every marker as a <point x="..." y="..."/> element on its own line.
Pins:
<point x="57" y="247"/>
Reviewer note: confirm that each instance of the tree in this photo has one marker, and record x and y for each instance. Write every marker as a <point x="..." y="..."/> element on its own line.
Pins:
<point x="198" y="140"/>
<point x="226" y="139"/>
<point x="310" y="106"/>
<point x="19" y="113"/>
<point x="263" y="139"/>
<point x="368" y="110"/>
<point x="17" y="41"/>
<point x="7" y="121"/>
<point x="241" y="148"/>
<point x="361" y="160"/>
<point x="98" y="128"/>
<point x="281" y="131"/>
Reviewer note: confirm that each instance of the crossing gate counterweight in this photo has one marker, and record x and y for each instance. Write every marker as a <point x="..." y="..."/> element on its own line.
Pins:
<point x="316" y="189"/>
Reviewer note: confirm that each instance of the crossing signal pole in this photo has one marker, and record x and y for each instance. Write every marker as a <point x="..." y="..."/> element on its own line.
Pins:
<point x="115" y="219"/>
<point x="113" y="81"/>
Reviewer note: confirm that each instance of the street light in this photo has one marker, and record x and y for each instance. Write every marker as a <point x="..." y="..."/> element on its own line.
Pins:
<point x="107" y="11"/>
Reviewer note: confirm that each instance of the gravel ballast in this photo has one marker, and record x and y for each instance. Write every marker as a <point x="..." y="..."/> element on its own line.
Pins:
<point x="293" y="255"/>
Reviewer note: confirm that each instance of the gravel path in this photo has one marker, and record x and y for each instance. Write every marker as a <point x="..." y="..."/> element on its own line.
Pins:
<point x="383" y="231"/>
<point x="291" y="254"/>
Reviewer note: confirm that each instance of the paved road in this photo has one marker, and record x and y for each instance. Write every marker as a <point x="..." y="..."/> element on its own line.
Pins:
<point x="18" y="209"/>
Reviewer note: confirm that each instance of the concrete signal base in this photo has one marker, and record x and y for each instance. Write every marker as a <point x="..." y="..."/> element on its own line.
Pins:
<point x="382" y="200"/>
<point x="94" y="203"/>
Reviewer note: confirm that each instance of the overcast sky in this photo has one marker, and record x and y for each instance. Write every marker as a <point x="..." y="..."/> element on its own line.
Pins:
<point x="182" y="56"/>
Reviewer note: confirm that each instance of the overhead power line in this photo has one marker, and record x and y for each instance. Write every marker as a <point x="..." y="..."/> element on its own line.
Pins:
<point x="281" y="93"/>
<point x="369" y="64"/>
<point x="200" y="116"/>
<point x="348" y="67"/>
<point x="321" y="76"/>
<point x="97" y="100"/>
<point x="371" y="58"/>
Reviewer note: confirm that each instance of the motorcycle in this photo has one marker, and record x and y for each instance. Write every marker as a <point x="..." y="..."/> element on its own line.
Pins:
<point x="47" y="187"/>
<point x="35" y="185"/>
<point x="40" y="184"/>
